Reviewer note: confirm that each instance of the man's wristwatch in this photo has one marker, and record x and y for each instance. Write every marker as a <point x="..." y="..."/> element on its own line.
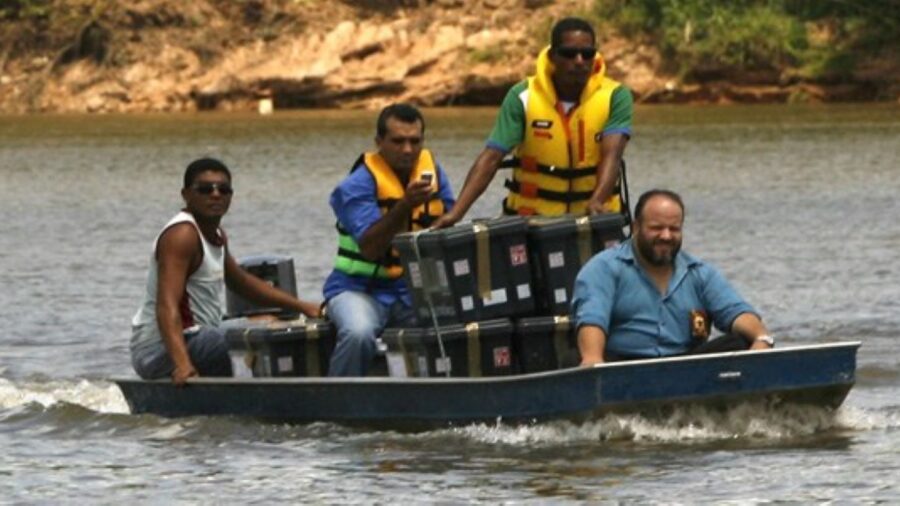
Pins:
<point x="766" y="339"/>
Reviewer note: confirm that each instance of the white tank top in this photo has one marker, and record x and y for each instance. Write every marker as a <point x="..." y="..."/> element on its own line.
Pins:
<point x="202" y="304"/>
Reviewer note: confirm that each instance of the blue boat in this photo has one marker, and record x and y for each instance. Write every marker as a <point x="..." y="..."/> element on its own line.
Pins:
<point x="817" y="375"/>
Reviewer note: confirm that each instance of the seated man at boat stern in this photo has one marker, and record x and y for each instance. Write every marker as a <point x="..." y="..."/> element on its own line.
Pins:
<point x="646" y="298"/>
<point x="176" y="330"/>
<point x="397" y="188"/>
<point x="566" y="127"/>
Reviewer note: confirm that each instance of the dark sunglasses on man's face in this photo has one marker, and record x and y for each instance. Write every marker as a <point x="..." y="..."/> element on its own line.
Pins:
<point x="209" y="188"/>
<point x="569" y="53"/>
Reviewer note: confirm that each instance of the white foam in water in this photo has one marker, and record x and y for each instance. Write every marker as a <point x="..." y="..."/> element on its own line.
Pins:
<point x="687" y="424"/>
<point x="97" y="396"/>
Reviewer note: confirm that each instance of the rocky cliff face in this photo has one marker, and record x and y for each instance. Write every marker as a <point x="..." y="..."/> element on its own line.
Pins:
<point x="165" y="55"/>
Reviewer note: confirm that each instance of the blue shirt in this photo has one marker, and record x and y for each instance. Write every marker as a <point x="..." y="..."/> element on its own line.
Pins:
<point x="613" y="292"/>
<point x="355" y="204"/>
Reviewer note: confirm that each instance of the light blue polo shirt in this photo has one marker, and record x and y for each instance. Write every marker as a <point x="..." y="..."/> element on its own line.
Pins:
<point x="613" y="292"/>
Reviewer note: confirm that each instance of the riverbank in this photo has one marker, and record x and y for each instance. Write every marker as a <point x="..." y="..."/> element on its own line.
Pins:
<point x="74" y="56"/>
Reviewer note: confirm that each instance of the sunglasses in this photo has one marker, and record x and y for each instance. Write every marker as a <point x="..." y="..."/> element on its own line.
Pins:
<point x="209" y="188"/>
<point x="569" y="53"/>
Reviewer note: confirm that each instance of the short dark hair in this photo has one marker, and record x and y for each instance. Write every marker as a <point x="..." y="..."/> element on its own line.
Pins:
<point x="406" y="113"/>
<point x="647" y="195"/>
<point x="203" y="165"/>
<point x="570" y="25"/>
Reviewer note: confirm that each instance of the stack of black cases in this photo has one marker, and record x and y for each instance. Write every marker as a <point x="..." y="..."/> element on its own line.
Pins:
<point x="281" y="348"/>
<point x="508" y="282"/>
<point x="472" y="349"/>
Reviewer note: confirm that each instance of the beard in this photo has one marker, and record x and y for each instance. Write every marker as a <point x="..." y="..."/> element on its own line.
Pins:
<point x="648" y="250"/>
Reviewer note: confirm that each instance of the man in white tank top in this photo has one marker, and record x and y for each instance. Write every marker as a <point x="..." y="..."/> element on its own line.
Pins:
<point x="176" y="330"/>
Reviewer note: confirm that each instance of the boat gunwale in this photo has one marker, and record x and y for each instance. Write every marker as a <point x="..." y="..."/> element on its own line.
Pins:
<point x="533" y="376"/>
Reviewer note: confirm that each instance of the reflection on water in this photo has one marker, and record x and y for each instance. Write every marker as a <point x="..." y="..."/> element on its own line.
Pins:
<point x="796" y="205"/>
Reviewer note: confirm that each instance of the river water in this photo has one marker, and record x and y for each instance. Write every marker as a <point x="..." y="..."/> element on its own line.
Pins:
<point x="797" y="205"/>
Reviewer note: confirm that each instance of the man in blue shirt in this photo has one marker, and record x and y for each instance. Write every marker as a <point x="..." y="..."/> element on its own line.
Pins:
<point x="398" y="188"/>
<point x="646" y="298"/>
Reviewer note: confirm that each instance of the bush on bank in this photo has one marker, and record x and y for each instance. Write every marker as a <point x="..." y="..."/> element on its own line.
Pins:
<point x="819" y="40"/>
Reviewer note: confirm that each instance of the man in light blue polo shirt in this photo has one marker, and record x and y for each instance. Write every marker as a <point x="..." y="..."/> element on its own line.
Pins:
<point x="647" y="298"/>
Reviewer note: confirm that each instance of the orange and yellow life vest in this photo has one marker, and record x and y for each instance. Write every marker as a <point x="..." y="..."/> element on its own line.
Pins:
<point x="390" y="190"/>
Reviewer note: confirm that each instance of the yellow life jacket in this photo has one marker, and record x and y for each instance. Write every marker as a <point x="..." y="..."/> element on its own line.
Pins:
<point x="555" y="166"/>
<point x="390" y="190"/>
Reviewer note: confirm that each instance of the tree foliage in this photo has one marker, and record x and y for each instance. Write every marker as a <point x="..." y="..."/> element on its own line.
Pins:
<point x="818" y="39"/>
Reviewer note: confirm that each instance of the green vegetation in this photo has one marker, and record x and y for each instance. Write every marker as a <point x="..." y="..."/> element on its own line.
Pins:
<point x="24" y="9"/>
<point x="812" y="39"/>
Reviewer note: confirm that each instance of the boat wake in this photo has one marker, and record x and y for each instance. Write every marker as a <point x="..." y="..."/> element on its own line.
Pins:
<point x="102" y="397"/>
<point x="749" y="421"/>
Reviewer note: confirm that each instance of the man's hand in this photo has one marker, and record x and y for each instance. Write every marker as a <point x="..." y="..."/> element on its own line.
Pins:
<point x="596" y="205"/>
<point x="182" y="372"/>
<point x="417" y="193"/>
<point x="760" y="345"/>
<point x="447" y="220"/>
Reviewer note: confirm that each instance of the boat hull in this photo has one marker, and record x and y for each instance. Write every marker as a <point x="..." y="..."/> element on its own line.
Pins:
<point x="819" y="375"/>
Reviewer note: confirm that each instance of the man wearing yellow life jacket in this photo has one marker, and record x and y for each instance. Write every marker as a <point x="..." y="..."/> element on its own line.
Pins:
<point x="567" y="127"/>
<point x="398" y="188"/>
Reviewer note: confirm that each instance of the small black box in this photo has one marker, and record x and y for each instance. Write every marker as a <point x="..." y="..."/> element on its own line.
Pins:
<point x="472" y="272"/>
<point x="276" y="270"/>
<point x="475" y="349"/>
<point x="281" y="348"/>
<point x="545" y="343"/>
<point x="559" y="247"/>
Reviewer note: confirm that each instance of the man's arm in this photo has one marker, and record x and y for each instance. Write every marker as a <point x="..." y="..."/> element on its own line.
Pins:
<point x="750" y="327"/>
<point x="612" y="147"/>
<point x="479" y="177"/>
<point x="377" y="239"/>
<point x="251" y="287"/>
<point x="616" y="132"/>
<point x="177" y="254"/>
<point x="591" y="344"/>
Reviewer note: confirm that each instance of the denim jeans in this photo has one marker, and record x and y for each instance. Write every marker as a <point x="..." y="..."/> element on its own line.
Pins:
<point x="206" y="347"/>
<point x="359" y="319"/>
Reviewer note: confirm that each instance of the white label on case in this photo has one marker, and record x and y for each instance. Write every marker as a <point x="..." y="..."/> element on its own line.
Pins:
<point x="498" y="296"/>
<point x="396" y="364"/>
<point x="556" y="259"/>
<point x="442" y="365"/>
<point x="461" y="267"/>
<point x="239" y="367"/>
<point x="285" y="364"/>
<point x="415" y="275"/>
<point x="422" y="362"/>
<point x="524" y="291"/>
<point x="441" y="273"/>
<point x="560" y="295"/>
<point x="467" y="303"/>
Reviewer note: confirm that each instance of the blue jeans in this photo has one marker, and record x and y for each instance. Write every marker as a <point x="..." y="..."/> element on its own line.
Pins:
<point x="359" y="319"/>
<point x="206" y="347"/>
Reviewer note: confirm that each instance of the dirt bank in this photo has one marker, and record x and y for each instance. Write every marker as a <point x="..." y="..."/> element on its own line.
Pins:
<point x="164" y="55"/>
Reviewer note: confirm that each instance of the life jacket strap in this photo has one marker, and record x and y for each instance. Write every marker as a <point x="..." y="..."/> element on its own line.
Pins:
<point x="530" y="190"/>
<point x="528" y="164"/>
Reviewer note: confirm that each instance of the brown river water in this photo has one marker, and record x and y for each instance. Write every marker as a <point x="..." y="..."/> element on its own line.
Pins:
<point x="796" y="205"/>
